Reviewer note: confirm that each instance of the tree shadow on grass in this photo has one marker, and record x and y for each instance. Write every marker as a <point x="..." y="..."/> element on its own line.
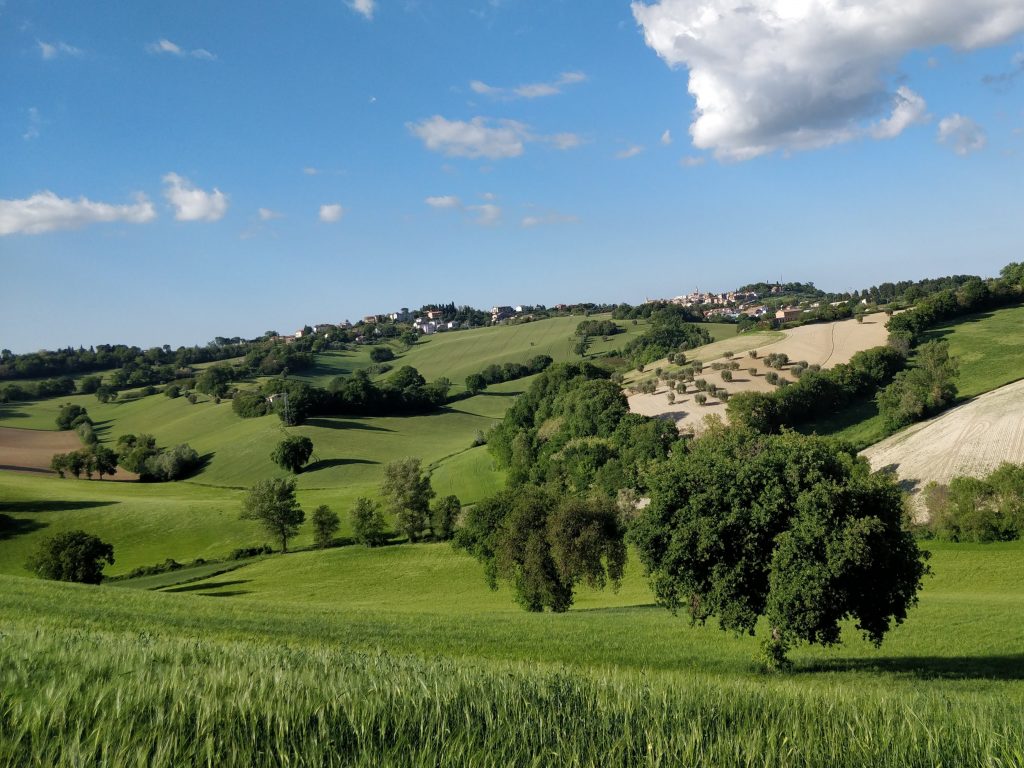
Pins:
<point x="328" y="463"/>
<point x="207" y="585"/>
<point x="31" y="507"/>
<point x="230" y="593"/>
<point x="328" y="423"/>
<point x="1006" y="667"/>
<point x="12" y="411"/>
<point x="16" y="526"/>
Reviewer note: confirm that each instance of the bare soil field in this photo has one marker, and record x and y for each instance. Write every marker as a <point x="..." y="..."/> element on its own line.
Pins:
<point x="972" y="439"/>
<point x="30" y="450"/>
<point x="824" y="344"/>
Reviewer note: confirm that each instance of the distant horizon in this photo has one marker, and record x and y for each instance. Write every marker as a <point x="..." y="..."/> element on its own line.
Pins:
<point x="355" y="318"/>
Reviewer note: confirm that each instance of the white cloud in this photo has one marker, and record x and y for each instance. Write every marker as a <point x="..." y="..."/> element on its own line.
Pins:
<point x="53" y="50"/>
<point x="364" y="7"/>
<point x="191" y="203"/>
<point x="802" y="74"/>
<point x="477" y="138"/>
<point x="331" y="213"/>
<point x="563" y="140"/>
<point x="909" y="108"/>
<point x="489" y="196"/>
<point x="267" y="214"/>
<point x="529" y="90"/>
<point x="553" y="217"/>
<point x="666" y="137"/>
<point x="45" y="211"/>
<point x="165" y="46"/>
<point x="311" y="171"/>
<point x="443" y="201"/>
<point x="483" y="137"/>
<point x="629" y="152"/>
<point x="961" y="134"/>
<point x="692" y="161"/>
<point x="487" y="214"/>
<point x="35" y="123"/>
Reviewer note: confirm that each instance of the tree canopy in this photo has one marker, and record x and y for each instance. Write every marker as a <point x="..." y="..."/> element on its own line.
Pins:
<point x="544" y="545"/>
<point x="292" y="453"/>
<point x="407" y="493"/>
<point x="272" y="503"/>
<point x="796" y="529"/>
<point x="72" y="556"/>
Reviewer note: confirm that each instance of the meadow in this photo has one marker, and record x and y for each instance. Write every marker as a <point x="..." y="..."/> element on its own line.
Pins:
<point x="401" y="656"/>
<point x="990" y="351"/>
<point x="199" y="517"/>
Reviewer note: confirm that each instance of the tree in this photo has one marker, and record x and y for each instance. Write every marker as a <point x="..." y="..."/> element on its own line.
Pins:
<point x="443" y="516"/>
<point x="72" y="556"/>
<point x="292" y="453"/>
<point x="407" y="493"/>
<point x="325" y="525"/>
<point x="796" y="529"/>
<point x="103" y="460"/>
<point x="544" y="545"/>
<point x="214" y="380"/>
<point x="272" y="503"/>
<point x="106" y="393"/>
<point x="67" y="415"/>
<point x="475" y="382"/>
<point x="89" y="384"/>
<point x="367" y="523"/>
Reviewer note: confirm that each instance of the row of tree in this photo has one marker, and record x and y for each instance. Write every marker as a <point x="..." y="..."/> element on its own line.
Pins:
<point x="982" y="509"/>
<point x="816" y="393"/>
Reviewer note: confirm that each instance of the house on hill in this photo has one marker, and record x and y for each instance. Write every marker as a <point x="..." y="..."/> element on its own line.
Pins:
<point x="501" y="313"/>
<point x="788" y="314"/>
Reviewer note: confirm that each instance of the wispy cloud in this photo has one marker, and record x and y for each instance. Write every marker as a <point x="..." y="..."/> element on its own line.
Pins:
<point x="908" y="108"/>
<point x="486" y="214"/>
<point x="45" y="211"/>
<point x="483" y="137"/>
<point x="1005" y="79"/>
<point x="163" y="46"/>
<point x="629" y="152"/>
<point x="57" y="48"/>
<point x="35" y="124"/>
<point x="962" y="134"/>
<point x="331" y="212"/>
<point x="191" y="203"/>
<point x="443" y="201"/>
<point x="529" y="90"/>
<point x="692" y="161"/>
<point x="552" y="217"/>
<point x="268" y="214"/>
<point x="365" y="8"/>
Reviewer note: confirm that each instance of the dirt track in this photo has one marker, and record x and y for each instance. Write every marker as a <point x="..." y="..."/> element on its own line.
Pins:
<point x="30" y="450"/>
<point x="972" y="439"/>
<point x="824" y="344"/>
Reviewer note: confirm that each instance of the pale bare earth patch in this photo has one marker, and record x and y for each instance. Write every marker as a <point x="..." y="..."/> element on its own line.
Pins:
<point x="30" y="450"/>
<point x="824" y="344"/>
<point x="971" y="439"/>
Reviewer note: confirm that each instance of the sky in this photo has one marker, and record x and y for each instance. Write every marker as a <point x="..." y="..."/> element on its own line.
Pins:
<point x="175" y="171"/>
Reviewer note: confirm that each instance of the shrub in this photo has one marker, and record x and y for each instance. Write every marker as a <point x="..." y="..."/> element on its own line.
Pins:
<point x="726" y="375"/>
<point x="700" y="398"/>
<point x="245" y="552"/>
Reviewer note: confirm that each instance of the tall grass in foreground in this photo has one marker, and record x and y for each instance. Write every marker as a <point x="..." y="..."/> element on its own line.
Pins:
<point x="86" y="698"/>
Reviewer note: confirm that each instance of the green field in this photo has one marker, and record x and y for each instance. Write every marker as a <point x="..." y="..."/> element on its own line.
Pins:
<point x="457" y="354"/>
<point x="401" y="656"/>
<point x="990" y="349"/>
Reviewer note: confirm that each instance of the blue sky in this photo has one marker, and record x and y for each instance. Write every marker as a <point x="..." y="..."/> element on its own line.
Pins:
<point x="172" y="171"/>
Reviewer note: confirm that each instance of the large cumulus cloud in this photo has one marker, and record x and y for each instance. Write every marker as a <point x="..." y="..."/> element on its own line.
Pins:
<point x="801" y="74"/>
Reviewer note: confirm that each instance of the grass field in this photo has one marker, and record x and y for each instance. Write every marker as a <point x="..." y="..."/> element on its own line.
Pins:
<point x="401" y="656"/>
<point x="990" y="348"/>
<point x="456" y="354"/>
